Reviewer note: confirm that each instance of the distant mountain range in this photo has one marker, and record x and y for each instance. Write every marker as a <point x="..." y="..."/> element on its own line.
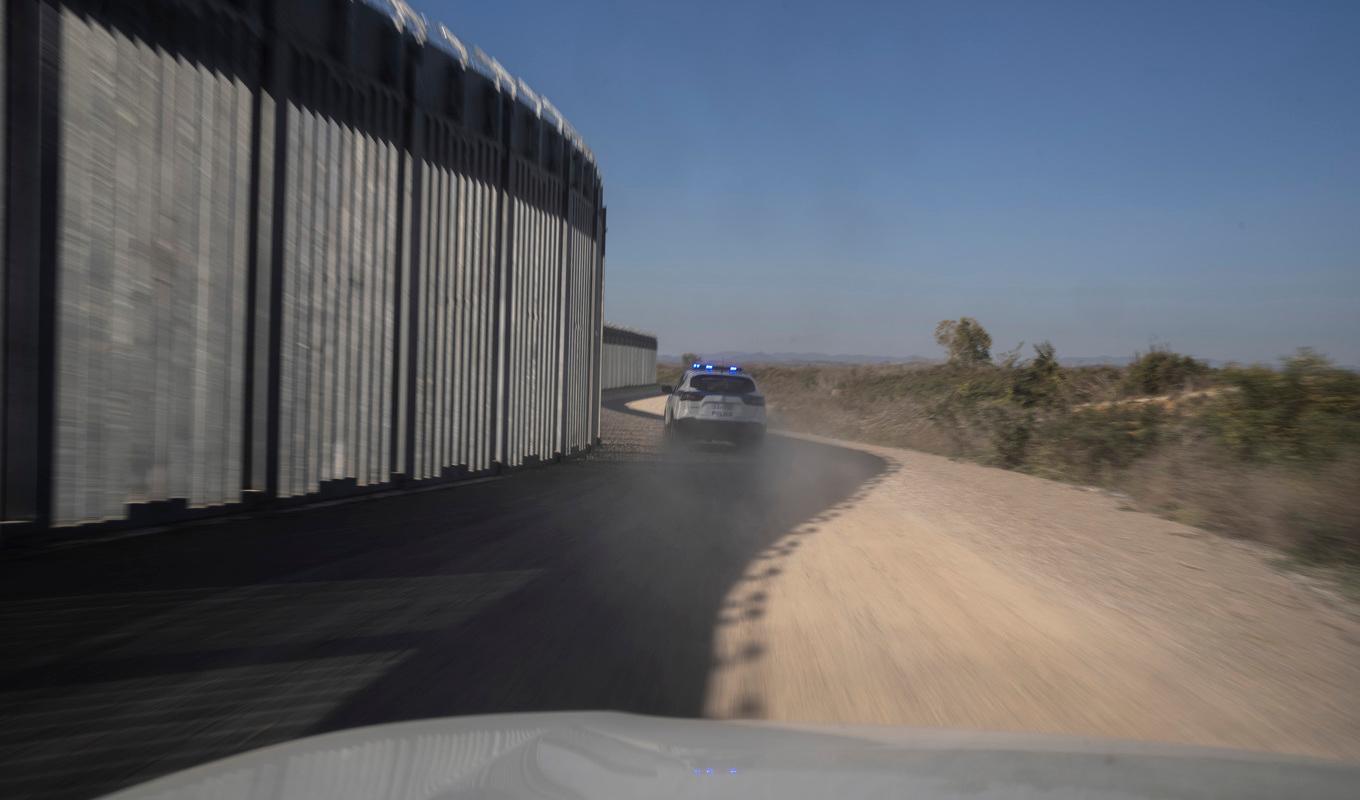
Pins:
<point x="1119" y="361"/>
<point x="741" y="357"/>
<point x="738" y="357"/>
<point x="1095" y="361"/>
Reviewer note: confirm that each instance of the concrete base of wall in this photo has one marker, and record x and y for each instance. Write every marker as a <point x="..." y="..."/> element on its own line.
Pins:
<point x="143" y="519"/>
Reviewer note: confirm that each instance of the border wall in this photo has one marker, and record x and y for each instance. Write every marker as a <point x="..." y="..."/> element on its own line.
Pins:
<point x="266" y="252"/>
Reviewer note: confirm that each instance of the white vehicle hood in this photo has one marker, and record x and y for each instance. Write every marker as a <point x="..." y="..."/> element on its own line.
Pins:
<point x="609" y="755"/>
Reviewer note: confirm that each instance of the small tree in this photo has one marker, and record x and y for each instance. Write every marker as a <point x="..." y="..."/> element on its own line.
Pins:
<point x="688" y="358"/>
<point x="1039" y="380"/>
<point x="966" y="341"/>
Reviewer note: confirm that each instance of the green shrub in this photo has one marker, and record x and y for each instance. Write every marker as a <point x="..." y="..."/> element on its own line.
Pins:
<point x="1040" y="381"/>
<point x="1087" y="444"/>
<point x="1012" y="431"/>
<point x="1160" y="371"/>
<point x="1307" y="410"/>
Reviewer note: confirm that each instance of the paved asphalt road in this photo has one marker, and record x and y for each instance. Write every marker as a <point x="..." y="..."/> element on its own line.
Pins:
<point x="598" y="584"/>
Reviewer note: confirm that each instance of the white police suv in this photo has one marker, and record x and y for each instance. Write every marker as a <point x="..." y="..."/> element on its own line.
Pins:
<point x="716" y="402"/>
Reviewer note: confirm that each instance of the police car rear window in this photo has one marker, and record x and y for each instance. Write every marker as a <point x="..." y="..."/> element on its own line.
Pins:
<point x="722" y="384"/>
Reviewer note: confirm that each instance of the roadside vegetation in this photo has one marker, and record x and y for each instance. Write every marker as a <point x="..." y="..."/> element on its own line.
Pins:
<point x="1263" y="452"/>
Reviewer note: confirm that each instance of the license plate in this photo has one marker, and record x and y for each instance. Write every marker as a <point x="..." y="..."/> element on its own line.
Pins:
<point x="723" y="412"/>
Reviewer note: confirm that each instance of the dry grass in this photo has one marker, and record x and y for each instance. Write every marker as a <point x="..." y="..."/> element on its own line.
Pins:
<point x="1257" y="501"/>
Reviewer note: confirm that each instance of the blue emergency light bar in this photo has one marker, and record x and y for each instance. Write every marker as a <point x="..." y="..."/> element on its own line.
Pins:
<point x="711" y="367"/>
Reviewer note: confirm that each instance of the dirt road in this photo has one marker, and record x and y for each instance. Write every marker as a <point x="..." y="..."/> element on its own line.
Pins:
<point x="951" y="594"/>
<point x="815" y="581"/>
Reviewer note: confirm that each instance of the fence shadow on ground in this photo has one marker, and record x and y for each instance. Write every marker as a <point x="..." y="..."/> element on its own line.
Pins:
<point x="592" y="585"/>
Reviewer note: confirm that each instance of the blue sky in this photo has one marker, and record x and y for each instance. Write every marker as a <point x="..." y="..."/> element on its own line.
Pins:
<point x="837" y="177"/>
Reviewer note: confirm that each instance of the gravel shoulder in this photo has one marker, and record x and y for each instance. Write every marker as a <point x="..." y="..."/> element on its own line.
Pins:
<point x="956" y="595"/>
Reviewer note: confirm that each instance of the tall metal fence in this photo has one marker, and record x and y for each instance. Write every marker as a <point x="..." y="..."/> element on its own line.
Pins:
<point x="264" y="250"/>
<point x="628" y="358"/>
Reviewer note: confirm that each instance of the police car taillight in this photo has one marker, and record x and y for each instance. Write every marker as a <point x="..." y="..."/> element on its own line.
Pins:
<point x="753" y="400"/>
<point x="686" y="394"/>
